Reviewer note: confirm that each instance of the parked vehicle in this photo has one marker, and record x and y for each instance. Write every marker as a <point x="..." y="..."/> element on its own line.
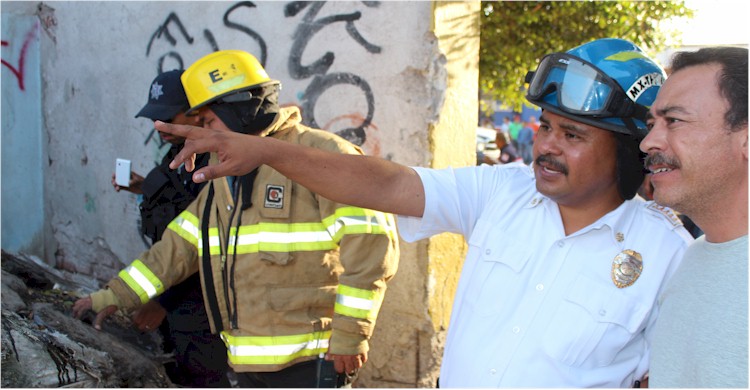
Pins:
<point x="486" y="144"/>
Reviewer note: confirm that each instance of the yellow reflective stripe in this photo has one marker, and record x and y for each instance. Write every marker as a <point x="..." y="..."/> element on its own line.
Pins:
<point x="274" y="349"/>
<point x="226" y="84"/>
<point x="280" y="237"/>
<point x="356" y="220"/>
<point x="357" y="303"/>
<point x="187" y="226"/>
<point x="213" y="241"/>
<point x="625" y="56"/>
<point x="141" y="280"/>
<point x="308" y="236"/>
<point x="281" y="247"/>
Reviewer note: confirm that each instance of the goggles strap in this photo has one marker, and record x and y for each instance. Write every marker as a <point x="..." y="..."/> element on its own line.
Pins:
<point x="630" y="124"/>
<point x="529" y="77"/>
<point x="640" y="112"/>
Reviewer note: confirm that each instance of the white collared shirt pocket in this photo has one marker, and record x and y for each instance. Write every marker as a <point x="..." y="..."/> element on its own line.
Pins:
<point x="592" y="324"/>
<point x="498" y="273"/>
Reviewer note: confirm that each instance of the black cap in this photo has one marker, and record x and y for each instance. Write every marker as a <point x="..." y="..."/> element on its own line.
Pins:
<point x="166" y="98"/>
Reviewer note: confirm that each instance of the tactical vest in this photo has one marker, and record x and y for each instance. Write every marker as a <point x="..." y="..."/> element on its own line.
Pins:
<point x="166" y="193"/>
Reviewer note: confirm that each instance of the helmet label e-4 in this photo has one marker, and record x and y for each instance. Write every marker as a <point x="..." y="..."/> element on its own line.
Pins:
<point x="215" y="76"/>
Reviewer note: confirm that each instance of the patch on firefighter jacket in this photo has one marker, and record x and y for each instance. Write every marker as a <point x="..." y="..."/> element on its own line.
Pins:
<point x="274" y="196"/>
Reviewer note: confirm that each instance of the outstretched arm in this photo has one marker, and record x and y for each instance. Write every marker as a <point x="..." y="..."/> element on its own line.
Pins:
<point x="362" y="181"/>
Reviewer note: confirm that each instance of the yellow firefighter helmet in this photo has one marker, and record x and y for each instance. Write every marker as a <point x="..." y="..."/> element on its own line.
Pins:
<point x="222" y="74"/>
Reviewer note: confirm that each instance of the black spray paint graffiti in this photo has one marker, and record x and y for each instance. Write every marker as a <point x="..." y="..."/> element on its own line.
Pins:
<point x="164" y="32"/>
<point x="323" y="81"/>
<point x="173" y="32"/>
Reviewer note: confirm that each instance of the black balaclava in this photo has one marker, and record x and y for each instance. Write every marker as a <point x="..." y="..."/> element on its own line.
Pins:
<point x="250" y="117"/>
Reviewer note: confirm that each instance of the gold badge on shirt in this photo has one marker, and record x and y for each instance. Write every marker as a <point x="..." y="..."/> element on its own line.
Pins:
<point x="626" y="268"/>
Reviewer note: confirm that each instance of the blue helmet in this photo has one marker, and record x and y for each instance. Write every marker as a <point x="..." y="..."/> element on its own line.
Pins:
<point x="608" y="83"/>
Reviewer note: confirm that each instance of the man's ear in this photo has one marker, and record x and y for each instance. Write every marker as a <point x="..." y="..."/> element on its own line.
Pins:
<point x="744" y="143"/>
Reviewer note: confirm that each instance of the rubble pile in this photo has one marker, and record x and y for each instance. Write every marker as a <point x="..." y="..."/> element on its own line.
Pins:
<point x="44" y="346"/>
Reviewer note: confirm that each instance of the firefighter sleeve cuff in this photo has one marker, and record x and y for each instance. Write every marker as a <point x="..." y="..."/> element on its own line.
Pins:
<point x="103" y="298"/>
<point x="345" y="343"/>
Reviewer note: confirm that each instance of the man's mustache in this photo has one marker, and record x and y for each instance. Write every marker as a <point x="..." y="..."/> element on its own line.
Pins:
<point x="658" y="158"/>
<point x="546" y="160"/>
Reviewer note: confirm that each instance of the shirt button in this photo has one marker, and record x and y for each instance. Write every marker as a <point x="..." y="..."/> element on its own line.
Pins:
<point x="229" y="208"/>
<point x="487" y="252"/>
<point x="493" y="371"/>
<point x="516" y="329"/>
<point x="561" y="244"/>
<point x="539" y="287"/>
<point x="602" y="312"/>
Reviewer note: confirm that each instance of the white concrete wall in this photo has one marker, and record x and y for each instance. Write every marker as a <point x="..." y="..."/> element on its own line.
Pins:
<point x="100" y="57"/>
<point x="374" y="72"/>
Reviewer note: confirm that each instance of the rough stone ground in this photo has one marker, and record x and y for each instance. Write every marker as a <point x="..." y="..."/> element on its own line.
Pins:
<point x="44" y="346"/>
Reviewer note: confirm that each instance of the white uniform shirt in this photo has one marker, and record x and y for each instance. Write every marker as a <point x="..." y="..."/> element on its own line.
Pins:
<point x="536" y="308"/>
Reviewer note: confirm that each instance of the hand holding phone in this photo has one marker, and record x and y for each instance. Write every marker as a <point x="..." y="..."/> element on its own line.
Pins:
<point x="122" y="172"/>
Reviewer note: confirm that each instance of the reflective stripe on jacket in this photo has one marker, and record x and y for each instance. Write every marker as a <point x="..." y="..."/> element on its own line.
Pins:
<point x="291" y="272"/>
<point x="269" y="350"/>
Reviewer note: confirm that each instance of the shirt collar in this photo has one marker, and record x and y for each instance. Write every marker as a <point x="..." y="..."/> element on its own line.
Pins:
<point x="616" y="220"/>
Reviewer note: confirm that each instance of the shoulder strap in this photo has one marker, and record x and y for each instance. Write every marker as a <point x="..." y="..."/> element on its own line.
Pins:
<point x="174" y="177"/>
<point x="208" y="275"/>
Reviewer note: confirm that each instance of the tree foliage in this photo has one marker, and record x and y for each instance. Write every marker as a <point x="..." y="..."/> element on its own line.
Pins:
<point x="515" y="35"/>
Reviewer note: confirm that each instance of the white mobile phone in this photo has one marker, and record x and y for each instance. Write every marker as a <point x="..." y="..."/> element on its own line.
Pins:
<point x="122" y="172"/>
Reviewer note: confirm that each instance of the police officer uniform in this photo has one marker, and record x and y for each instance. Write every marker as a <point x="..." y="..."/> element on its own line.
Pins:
<point x="537" y="308"/>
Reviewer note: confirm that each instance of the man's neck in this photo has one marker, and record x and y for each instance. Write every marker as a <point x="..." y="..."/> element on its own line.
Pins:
<point x="722" y="217"/>
<point x="577" y="217"/>
<point x="723" y="225"/>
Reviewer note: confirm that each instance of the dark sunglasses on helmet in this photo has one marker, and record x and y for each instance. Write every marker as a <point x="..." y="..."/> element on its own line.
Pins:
<point x="582" y="89"/>
<point x="242" y="96"/>
<point x="249" y="94"/>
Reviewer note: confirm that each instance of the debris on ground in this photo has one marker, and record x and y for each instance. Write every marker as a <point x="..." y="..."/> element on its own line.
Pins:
<point x="43" y="345"/>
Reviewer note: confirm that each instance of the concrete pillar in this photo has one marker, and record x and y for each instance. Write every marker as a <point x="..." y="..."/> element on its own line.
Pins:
<point x="409" y="340"/>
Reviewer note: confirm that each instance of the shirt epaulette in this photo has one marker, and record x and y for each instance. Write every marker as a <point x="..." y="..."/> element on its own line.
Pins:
<point x="666" y="212"/>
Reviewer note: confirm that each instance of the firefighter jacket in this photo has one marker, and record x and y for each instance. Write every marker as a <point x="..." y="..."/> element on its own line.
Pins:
<point x="282" y="277"/>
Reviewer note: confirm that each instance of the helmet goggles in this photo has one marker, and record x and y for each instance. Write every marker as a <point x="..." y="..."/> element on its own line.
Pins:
<point x="248" y="94"/>
<point x="258" y="92"/>
<point x="582" y="89"/>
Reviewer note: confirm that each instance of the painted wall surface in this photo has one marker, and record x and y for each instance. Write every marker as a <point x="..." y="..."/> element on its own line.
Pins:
<point x="332" y="59"/>
<point x="23" y="141"/>
<point x="397" y="78"/>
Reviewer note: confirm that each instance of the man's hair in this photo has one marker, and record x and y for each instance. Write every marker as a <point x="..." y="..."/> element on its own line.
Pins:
<point x="732" y="79"/>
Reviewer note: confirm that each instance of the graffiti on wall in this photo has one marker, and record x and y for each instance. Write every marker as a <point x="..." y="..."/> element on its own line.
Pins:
<point x="16" y="65"/>
<point x="174" y="33"/>
<point x="322" y="80"/>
